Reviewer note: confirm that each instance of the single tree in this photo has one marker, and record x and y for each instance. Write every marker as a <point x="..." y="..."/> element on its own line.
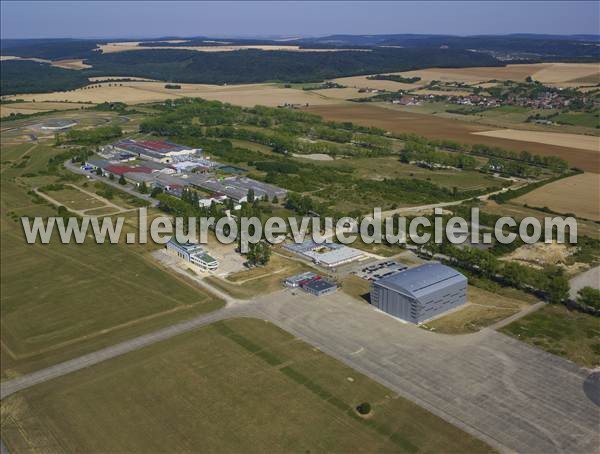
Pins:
<point x="589" y="297"/>
<point x="122" y="180"/>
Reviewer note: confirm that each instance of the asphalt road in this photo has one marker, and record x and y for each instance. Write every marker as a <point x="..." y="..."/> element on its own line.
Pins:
<point x="515" y="397"/>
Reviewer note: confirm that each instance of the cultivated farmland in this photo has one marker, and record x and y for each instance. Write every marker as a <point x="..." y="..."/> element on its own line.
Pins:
<point x="36" y="107"/>
<point x="237" y="386"/>
<point x="135" y="45"/>
<point x="136" y="92"/>
<point x="433" y="127"/>
<point x="578" y="141"/>
<point x="579" y="194"/>
<point x="558" y="74"/>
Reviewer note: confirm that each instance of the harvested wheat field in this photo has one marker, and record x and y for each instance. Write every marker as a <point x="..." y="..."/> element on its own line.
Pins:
<point x="579" y="195"/>
<point x="560" y="74"/>
<point x="134" y="92"/>
<point x="391" y="119"/>
<point x="110" y="78"/>
<point x="363" y="82"/>
<point x="71" y="64"/>
<point x="35" y="107"/>
<point x="441" y="92"/>
<point x="109" y="48"/>
<point x="578" y="141"/>
<point x="569" y="74"/>
<point x="65" y="64"/>
<point x="342" y="93"/>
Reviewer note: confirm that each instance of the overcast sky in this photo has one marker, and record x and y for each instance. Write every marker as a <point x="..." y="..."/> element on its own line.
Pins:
<point x="90" y="19"/>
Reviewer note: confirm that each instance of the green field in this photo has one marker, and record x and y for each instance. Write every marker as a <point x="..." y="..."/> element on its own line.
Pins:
<point x="571" y="334"/>
<point x="586" y="119"/>
<point x="242" y="385"/>
<point x="60" y="301"/>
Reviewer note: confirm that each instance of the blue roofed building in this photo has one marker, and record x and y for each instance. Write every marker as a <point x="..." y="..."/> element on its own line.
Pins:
<point x="421" y="293"/>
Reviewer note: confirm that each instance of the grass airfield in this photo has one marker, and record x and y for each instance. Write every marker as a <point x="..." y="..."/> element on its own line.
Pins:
<point x="237" y="386"/>
<point x="60" y="301"/>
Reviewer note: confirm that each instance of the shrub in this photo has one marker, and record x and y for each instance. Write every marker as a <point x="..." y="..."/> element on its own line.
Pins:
<point x="364" y="408"/>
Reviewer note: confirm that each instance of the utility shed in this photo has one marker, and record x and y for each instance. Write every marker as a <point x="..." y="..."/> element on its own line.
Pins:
<point x="420" y="293"/>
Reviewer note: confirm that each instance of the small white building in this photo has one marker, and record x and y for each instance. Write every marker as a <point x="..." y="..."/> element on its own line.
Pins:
<point x="215" y="198"/>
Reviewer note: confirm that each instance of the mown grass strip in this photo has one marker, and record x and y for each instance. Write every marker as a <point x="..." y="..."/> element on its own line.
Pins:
<point x="314" y="387"/>
<point x="269" y="357"/>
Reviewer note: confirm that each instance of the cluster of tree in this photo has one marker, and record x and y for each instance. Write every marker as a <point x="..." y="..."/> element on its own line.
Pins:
<point x="118" y="107"/>
<point x="258" y="253"/>
<point x="552" y="282"/>
<point x="551" y="162"/>
<point x="187" y="207"/>
<point x="21" y="116"/>
<point x="409" y="190"/>
<point x="173" y="86"/>
<point x="94" y="136"/>
<point x="323" y="86"/>
<point x="277" y="166"/>
<point x="395" y="78"/>
<point x="589" y="297"/>
<point x="511" y="168"/>
<point x="302" y="204"/>
<point x="424" y="153"/>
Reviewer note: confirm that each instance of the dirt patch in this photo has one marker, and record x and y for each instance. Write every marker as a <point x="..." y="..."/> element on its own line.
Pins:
<point x="579" y="195"/>
<point x="314" y="156"/>
<point x="539" y="255"/>
<point x="434" y="127"/>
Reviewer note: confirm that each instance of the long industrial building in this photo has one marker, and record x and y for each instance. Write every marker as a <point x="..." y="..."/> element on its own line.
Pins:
<point x="421" y="293"/>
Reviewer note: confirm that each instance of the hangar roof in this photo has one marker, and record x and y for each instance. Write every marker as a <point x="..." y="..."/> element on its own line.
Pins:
<point x="421" y="280"/>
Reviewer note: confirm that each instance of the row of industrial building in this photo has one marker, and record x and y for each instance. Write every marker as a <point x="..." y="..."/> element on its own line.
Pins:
<point x="173" y="167"/>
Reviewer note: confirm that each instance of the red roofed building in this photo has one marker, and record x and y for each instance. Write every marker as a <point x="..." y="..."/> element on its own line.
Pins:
<point x="158" y="145"/>
<point x="120" y="170"/>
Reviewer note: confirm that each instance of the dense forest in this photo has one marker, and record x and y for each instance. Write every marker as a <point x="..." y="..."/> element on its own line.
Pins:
<point x="379" y="54"/>
<point x="248" y="66"/>
<point x="25" y="76"/>
<point x="245" y="66"/>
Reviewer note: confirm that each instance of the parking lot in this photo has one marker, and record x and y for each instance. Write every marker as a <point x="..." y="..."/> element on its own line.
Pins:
<point x="380" y="269"/>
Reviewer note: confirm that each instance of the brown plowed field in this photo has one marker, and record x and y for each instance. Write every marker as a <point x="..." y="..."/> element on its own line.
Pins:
<point x="445" y="128"/>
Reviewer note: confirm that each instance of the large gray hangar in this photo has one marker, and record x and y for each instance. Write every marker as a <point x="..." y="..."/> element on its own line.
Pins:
<point x="421" y="293"/>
